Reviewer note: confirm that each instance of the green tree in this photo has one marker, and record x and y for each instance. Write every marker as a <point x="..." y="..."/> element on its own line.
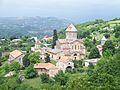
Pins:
<point x="61" y="34"/>
<point x="15" y="66"/>
<point x="94" y="41"/>
<point x="83" y="34"/>
<point x="55" y="38"/>
<point x="94" y="53"/>
<point x="26" y="61"/>
<point x="0" y="63"/>
<point x="25" y="87"/>
<point x="0" y="53"/>
<point x="44" y="78"/>
<point x="117" y="31"/>
<point x="106" y="73"/>
<point x="80" y="83"/>
<point x="117" y="28"/>
<point x="61" y="78"/>
<point x="107" y="35"/>
<point x="3" y="59"/>
<point x="56" y="87"/>
<point x="90" y="69"/>
<point x="34" y="57"/>
<point x="91" y="66"/>
<point x="88" y="44"/>
<point x="18" y="80"/>
<point x="117" y="34"/>
<point x="109" y="46"/>
<point x="78" y="63"/>
<point x="8" y="84"/>
<point x="6" y="67"/>
<point x="30" y="72"/>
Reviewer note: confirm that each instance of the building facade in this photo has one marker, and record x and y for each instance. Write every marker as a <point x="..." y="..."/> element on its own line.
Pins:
<point x="70" y="47"/>
<point x="47" y="68"/>
<point x="17" y="56"/>
<point x="64" y="63"/>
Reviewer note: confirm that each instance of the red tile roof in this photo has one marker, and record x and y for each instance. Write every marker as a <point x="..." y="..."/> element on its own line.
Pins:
<point x="44" y="65"/>
<point x="54" y="51"/>
<point x="16" y="53"/>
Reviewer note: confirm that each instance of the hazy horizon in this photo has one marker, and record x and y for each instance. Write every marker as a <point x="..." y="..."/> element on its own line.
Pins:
<point x="73" y="10"/>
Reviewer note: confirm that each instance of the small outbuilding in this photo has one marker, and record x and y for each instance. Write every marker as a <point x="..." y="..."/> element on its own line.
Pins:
<point x="48" y="68"/>
<point x="17" y="56"/>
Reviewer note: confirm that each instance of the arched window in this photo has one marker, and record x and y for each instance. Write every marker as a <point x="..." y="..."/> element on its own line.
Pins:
<point x="75" y="54"/>
<point x="69" y="67"/>
<point x="72" y="47"/>
<point x="52" y="56"/>
<point x="75" y="47"/>
<point x="59" y="57"/>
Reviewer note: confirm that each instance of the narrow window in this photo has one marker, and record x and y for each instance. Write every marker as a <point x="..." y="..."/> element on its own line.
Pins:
<point x="72" y="47"/>
<point x="78" y="47"/>
<point x="75" y="47"/>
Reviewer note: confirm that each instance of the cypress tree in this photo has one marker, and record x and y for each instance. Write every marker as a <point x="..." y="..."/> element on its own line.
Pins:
<point x="94" y="41"/>
<point x="55" y="38"/>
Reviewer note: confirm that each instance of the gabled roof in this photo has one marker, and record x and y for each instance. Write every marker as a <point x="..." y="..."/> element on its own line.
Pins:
<point x="16" y="53"/>
<point x="70" y="28"/>
<point x="62" y="41"/>
<point x="46" y="36"/>
<point x="54" y="51"/>
<point x="44" y="65"/>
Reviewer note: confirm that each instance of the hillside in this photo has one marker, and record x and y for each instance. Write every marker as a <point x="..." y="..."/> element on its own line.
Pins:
<point x="96" y="28"/>
<point x="94" y="31"/>
<point x="87" y="74"/>
<point x="33" y="26"/>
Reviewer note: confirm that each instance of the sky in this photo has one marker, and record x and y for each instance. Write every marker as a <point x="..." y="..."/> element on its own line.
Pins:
<point x="74" y="10"/>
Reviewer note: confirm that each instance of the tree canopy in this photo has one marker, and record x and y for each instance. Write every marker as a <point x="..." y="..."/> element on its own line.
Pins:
<point x="94" y="53"/>
<point x="34" y="57"/>
<point x="55" y="38"/>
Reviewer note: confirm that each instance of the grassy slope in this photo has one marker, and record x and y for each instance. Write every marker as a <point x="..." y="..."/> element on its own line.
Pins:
<point x="35" y="82"/>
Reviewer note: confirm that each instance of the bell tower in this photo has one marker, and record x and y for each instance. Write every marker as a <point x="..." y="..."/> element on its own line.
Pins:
<point x="71" y="32"/>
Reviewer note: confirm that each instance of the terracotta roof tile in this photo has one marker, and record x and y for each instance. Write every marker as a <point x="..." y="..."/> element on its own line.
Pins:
<point x="44" y="65"/>
<point x="16" y="53"/>
<point x="55" y="51"/>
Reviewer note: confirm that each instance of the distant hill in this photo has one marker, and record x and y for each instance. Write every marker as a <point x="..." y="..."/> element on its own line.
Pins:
<point x="33" y="26"/>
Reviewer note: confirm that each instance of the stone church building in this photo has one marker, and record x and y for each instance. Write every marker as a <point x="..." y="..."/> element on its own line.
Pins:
<point x="70" y="47"/>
